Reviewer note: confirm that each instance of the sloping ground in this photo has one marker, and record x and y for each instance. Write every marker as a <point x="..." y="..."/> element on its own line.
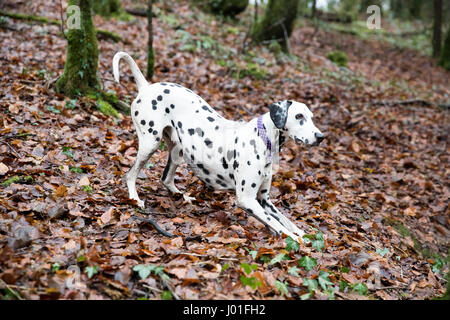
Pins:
<point x="377" y="188"/>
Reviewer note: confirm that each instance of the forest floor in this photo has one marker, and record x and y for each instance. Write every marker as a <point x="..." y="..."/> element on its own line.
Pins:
<point x="373" y="197"/>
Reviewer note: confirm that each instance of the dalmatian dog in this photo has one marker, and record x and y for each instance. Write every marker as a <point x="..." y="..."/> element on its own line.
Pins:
<point x="224" y="154"/>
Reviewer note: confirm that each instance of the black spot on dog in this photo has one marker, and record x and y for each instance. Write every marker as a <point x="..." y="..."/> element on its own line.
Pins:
<point x="208" y="143"/>
<point x="166" y="91"/>
<point x="220" y="177"/>
<point x="136" y="113"/>
<point x="200" y="132"/>
<point x="217" y="128"/>
<point x="210" y="119"/>
<point x="250" y="211"/>
<point x="154" y="102"/>
<point x="229" y="155"/>
<point x="306" y="141"/>
<point x="166" y="169"/>
<point x="252" y="142"/>
<point x="224" y="163"/>
<point x="236" y="140"/>
<point x="257" y="156"/>
<point x="220" y="149"/>
<point x="235" y="165"/>
<point x="263" y="190"/>
<point x="207" y="180"/>
<point x="139" y="101"/>
<point x="192" y="158"/>
<point x="157" y="139"/>
<point x="143" y="122"/>
<point x="159" y="98"/>
<point x="191" y="131"/>
<point x="253" y="185"/>
<point x="172" y="106"/>
<point x="150" y="130"/>
<point x="231" y="176"/>
<point x="259" y="172"/>
<point x="154" y="107"/>
<point x="193" y="147"/>
<point x="155" y="133"/>
<point x="151" y="123"/>
<point x="180" y="125"/>
<point x="167" y="110"/>
<point x="243" y="182"/>
<point x="249" y="163"/>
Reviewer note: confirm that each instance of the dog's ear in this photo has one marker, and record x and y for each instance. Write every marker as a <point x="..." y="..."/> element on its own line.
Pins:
<point x="279" y="112"/>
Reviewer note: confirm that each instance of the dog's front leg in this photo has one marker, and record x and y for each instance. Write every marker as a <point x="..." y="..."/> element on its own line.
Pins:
<point x="252" y="206"/>
<point x="264" y="200"/>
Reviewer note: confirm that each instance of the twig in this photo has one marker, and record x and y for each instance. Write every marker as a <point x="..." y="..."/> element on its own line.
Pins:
<point x="166" y="284"/>
<point x="62" y="19"/>
<point x="400" y="102"/>
<point x="12" y="149"/>
<point x="5" y="285"/>
<point x="164" y="232"/>
<point x="286" y="39"/>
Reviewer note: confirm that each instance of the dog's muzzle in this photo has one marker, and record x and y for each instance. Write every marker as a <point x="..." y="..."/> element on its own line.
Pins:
<point x="319" y="138"/>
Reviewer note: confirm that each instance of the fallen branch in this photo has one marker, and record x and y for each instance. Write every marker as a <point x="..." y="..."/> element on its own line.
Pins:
<point x="137" y="12"/>
<point x="401" y="102"/>
<point x="162" y="231"/>
<point x="102" y="34"/>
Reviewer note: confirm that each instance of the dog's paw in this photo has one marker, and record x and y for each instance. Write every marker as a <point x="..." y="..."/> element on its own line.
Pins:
<point x="188" y="199"/>
<point x="141" y="204"/>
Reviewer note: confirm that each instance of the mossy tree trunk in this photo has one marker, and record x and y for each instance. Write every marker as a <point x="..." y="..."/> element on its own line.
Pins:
<point x="277" y="22"/>
<point x="437" y="28"/>
<point x="107" y="8"/>
<point x="445" y="54"/>
<point x="80" y="70"/>
<point x="223" y="7"/>
<point x="151" y="51"/>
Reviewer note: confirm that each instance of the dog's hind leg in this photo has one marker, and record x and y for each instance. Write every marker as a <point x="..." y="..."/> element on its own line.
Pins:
<point x="146" y="149"/>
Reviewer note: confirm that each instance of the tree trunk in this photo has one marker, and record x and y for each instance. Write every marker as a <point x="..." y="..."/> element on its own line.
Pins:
<point x="277" y="22"/>
<point x="80" y="70"/>
<point x="151" y="51"/>
<point x="437" y="27"/>
<point x="445" y="55"/>
<point x="313" y="9"/>
<point x="223" y="7"/>
<point x="107" y="8"/>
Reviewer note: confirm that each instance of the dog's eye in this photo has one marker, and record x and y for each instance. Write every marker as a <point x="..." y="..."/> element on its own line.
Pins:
<point x="299" y="117"/>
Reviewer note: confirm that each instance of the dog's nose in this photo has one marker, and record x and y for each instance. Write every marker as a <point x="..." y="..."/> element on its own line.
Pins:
<point x="319" y="136"/>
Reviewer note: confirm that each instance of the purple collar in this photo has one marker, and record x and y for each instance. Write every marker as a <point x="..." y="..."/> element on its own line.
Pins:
<point x="263" y="134"/>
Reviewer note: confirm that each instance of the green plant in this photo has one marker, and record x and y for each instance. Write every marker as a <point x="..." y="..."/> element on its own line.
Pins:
<point x="307" y="262"/>
<point x="91" y="271"/>
<point x="145" y="270"/>
<point x="252" y="282"/>
<point x="338" y="57"/>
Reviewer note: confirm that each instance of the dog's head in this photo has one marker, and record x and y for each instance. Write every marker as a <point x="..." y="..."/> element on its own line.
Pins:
<point x="296" y="119"/>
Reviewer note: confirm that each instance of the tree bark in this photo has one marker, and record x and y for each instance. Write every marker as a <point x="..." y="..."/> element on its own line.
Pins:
<point x="224" y="7"/>
<point x="151" y="51"/>
<point x="80" y="70"/>
<point x="277" y="22"/>
<point x="445" y="55"/>
<point x="437" y="28"/>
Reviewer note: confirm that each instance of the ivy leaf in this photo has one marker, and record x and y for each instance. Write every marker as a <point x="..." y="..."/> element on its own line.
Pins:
<point x="91" y="270"/>
<point x="382" y="252"/>
<point x="324" y="281"/>
<point x="248" y="268"/>
<point x="311" y="284"/>
<point x="225" y="267"/>
<point x="282" y="288"/>
<point x="143" y="270"/>
<point x="306" y="296"/>
<point x="253" y="254"/>
<point x="252" y="282"/>
<point x="361" y="288"/>
<point x="294" y="271"/>
<point x="307" y="262"/>
<point x="291" y="244"/>
<point x="279" y="258"/>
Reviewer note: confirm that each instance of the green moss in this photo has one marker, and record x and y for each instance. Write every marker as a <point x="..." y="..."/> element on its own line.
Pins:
<point x="223" y="7"/>
<point x="80" y="70"/>
<point x="276" y="23"/>
<point x="106" y="108"/>
<point x="109" y="8"/>
<point x="150" y="64"/>
<point x="444" y="60"/>
<point x="338" y="57"/>
<point x="17" y="179"/>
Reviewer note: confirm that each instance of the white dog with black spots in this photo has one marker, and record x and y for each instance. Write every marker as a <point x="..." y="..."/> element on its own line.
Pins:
<point x="225" y="154"/>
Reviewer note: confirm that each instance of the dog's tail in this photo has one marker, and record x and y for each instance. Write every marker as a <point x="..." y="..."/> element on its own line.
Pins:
<point x="138" y="76"/>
